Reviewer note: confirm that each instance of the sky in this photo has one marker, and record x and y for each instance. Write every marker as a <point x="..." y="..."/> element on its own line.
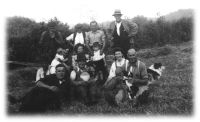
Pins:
<point x="80" y="11"/>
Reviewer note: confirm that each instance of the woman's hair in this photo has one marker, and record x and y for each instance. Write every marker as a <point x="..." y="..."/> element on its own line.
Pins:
<point x="77" y="46"/>
<point x="117" y="49"/>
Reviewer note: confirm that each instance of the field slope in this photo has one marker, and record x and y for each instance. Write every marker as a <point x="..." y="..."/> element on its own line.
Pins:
<point x="173" y="95"/>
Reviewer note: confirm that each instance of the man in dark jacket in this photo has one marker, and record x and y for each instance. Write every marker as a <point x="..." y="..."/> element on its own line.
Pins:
<point x="48" y="93"/>
<point x="122" y="32"/>
<point x="50" y="41"/>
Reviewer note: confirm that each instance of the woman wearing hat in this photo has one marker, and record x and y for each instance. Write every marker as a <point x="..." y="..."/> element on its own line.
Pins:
<point x="122" y="32"/>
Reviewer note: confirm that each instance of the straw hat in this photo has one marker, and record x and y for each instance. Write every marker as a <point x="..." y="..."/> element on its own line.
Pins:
<point x="117" y="12"/>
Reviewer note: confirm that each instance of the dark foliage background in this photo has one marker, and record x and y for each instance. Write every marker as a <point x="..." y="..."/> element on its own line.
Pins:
<point x="23" y="34"/>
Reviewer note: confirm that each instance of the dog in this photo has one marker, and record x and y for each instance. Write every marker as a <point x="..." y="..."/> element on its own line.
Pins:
<point x="154" y="74"/>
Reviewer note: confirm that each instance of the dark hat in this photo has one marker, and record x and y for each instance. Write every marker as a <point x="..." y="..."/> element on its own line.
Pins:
<point x="117" y="12"/>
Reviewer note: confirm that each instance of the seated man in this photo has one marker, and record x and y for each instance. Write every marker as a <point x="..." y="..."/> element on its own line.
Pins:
<point x="83" y="83"/>
<point x="138" y="78"/>
<point x="129" y="83"/>
<point x="48" y="93"/>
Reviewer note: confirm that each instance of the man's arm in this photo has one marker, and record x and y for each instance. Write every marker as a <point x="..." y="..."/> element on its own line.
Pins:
<point x="143" y="74"/>
<point x="138" y="82"/>
<point x="70" y="37"/>
<point x="103" y="38"/>
<point x="60" y="39"/>
<point x="133" y="28"/>
<point x="42" y="37"/>
<point x="41" y="84"/>
<point x="87" y="39"/>
<point x="111" y="73"/>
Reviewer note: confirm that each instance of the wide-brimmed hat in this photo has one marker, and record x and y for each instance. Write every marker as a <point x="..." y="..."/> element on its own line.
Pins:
<point x="117" y="12"/>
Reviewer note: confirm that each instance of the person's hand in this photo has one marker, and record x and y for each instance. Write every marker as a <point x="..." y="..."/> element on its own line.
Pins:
<point x="54" y="88"/>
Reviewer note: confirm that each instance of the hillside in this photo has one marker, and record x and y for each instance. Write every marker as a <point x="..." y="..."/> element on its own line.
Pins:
<point x="182" y="13"/>
<point x="173" y="95"/>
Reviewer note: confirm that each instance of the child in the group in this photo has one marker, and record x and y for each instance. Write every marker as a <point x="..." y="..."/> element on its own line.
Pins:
<point x="59" y="57"/>
<point x="99" y="62"/>
<point x="78" y="52"/>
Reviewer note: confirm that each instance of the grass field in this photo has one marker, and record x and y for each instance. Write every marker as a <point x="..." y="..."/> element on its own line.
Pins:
<point x="173" y="95"/>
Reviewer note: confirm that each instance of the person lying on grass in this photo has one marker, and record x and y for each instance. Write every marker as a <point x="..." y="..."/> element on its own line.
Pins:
<point x="48" y="92"/>
<point x="84" y="84"/>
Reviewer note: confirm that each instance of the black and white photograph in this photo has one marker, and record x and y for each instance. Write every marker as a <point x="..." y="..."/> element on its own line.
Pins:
<point x="98" y="58"/>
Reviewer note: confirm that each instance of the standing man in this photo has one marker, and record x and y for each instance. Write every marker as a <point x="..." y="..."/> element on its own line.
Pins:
<point x="77" y="37"/>
<point x="123" y="32"/>
<point x="50" y="41"/>
<point x="95" y="35"/>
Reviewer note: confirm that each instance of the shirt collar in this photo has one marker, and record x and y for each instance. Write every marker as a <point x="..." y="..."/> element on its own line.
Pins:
<point x="95" y="31"/>
<point x="118" y="23"/>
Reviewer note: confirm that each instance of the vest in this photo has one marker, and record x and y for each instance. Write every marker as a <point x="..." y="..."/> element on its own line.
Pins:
<point x="121" y="68"/>
<point x="130" y="70"/>
<point x="74" y="36"/>
<point x="123" y="33"/>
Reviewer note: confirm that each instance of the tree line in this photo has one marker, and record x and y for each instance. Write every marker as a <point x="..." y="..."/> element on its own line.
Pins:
<point x="23" y="34"/>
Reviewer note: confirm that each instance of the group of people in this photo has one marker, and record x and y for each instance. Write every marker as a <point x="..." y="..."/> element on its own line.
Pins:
<point x="81" y="73"/>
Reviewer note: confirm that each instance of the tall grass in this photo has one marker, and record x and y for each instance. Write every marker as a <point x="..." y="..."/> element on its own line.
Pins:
<point x="173" y="95"/>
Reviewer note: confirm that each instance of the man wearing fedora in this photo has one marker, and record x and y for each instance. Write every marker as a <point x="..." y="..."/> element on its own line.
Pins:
<point x="122" y="32"/>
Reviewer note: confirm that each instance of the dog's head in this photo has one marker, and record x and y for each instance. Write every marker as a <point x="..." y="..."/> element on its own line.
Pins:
<point x="156" y="70"/>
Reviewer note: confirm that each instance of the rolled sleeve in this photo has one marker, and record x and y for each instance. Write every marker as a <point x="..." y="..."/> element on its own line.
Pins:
<point x="70" y="37"/>
<point x="133" y="27"/>
<point x="87" y="38"/>
<point x="103" y="37"/>
<point x="112" y="71"/>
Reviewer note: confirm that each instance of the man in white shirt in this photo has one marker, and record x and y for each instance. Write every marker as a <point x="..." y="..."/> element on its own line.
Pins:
<point x="122" y="32"/>
<point x="77" y="37"/>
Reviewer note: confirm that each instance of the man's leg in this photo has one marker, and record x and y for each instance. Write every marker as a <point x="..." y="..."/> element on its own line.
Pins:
<point x="83" y="94"/>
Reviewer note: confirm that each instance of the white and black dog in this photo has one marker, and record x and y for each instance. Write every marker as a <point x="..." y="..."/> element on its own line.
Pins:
<point x="154" y="74"/>
<point x="155" y="71"/>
